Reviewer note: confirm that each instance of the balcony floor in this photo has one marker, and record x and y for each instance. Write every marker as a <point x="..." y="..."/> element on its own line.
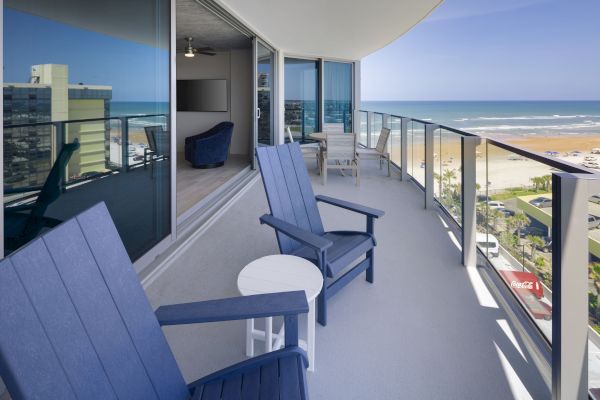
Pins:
<point x="427" y="328"/>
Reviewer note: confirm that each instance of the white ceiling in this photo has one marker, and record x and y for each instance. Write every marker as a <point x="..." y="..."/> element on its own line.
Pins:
<point x="347" y="29"/>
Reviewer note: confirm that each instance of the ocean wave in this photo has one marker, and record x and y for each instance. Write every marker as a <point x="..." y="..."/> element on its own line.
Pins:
<point x="533" y="127"/>
<point x="527" y="117"/>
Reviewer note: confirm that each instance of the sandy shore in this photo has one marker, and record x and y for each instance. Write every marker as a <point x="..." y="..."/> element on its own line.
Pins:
<point x="501" y="168"/>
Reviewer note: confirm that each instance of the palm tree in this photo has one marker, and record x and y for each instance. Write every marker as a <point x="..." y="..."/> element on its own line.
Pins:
<point x="517" y="222"/>
<point x="535" y="242"/>
<point x="547" y="182"/>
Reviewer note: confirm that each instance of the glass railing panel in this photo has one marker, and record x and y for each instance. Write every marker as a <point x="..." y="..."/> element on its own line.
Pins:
<point x="394" y="143"/>
<point x="100" y="148"/>
<point x="447" y="171"/>
<point x="376" y="126"/>
<point x="137" y="194"/>
<point x="362" y="133"/>
<point x="516" y="235"/>
<point x="28" y="156"/>
<point x="142" y="131"/>
<point x="594" y="295"/>
<point x="416" y="156"/>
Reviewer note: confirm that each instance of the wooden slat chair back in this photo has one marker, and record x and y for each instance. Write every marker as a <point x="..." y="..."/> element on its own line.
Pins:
<point x="334" y="127"/>
<point x="382" y="141"/>
<point x="76" y="323"/>
<point x="341" y="150"/>
<point x="289" y="191"/>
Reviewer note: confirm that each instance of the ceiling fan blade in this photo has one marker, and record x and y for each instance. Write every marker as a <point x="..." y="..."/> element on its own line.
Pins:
<point x="207" y="53"/>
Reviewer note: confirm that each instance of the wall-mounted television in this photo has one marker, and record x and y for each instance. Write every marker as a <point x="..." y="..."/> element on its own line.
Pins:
<point x="208" y="95"/>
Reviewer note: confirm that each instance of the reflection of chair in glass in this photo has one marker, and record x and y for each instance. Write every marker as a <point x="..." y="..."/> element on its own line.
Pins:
<point x="24" y="222"/>
<point x="380" y="151"/>
<point x="341" y="149"/>
<point x="158" y="145"/>
<point x="308" y="150"/>
<point x="80" y="326"/>
<point x="337" y="127"/>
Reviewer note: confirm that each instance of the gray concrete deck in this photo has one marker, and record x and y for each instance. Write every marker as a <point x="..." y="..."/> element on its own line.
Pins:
<point x="427" y="327"/>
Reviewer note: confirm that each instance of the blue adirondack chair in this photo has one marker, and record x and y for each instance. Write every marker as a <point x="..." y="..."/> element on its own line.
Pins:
<point x="75" y="324"/>
<point x="297" y="222"/>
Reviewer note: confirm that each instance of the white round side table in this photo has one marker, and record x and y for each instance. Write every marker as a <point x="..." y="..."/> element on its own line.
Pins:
<point x="281" y="273"/>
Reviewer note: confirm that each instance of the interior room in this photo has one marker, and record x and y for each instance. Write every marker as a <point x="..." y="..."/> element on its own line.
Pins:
<point x="214" y="85"/>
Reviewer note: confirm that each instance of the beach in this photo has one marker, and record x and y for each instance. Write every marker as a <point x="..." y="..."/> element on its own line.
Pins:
<point x="500" y="168"/>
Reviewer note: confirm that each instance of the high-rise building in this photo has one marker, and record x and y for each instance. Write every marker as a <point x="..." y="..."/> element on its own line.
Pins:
<point x="48" y="97"/>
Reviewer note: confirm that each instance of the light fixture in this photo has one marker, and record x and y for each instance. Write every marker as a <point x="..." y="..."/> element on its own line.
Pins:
<point x="189" y="50"/>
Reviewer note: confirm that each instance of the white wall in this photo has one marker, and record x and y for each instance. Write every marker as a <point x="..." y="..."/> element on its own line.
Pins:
<point x="236" y="68"/>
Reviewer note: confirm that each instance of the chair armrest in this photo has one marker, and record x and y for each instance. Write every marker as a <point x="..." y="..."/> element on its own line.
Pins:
<point x="305" y="237"/>
<point x="368" y="211"/>
<point x="235" y="308"/>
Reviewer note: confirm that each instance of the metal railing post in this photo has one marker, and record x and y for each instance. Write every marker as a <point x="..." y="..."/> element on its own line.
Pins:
<point x="429" y="130"/>
<point x="369" y="127"/>
<point x="124" y="143"/>
<point x="59" y="140"/>
<point x="570" y="252"/>
<point x="404" y="122"/>
<point x="469" y="199"/>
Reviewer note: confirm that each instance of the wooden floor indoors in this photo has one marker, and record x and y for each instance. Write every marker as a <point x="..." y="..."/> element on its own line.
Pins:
<point x="195" y="184"/>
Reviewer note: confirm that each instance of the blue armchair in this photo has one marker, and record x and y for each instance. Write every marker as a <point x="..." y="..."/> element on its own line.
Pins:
<point x="300" y="232"/>
<point x="76" y="324"/>
<point x="211" y="148"/>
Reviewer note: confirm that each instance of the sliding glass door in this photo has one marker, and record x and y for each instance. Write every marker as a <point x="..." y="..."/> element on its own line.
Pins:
<point x="265" y="78"/>
<point x="86" y="117"/>
<point x="337" y="94"/>
<point x="301" y="97"/>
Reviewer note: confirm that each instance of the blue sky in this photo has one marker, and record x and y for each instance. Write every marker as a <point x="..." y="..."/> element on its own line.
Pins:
<point x="136" y="72"/>
<point x="492" y="50"/>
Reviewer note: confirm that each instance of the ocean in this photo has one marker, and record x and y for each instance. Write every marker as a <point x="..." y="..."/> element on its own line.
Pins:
<point x="502" y="118"/>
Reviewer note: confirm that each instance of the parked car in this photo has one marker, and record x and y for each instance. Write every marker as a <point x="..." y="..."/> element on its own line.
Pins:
<point x="488" y="243"/>
<point x="593" y="221"/>
<point x="595" y="199"/>
<point x="531" y="230"/>
<point x="541" y="202"/>
<point x="506" y="212"/>
<point x="547" y="247"/>
<point x="495" y="205"/>
<point x="483" y="197"/>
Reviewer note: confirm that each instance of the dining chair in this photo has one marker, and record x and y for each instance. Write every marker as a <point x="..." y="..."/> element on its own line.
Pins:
<point x="341" y="150"/>
<point x="380" y="151"/>
<point x="309" y="150"/>
<point x="334" y="127"/>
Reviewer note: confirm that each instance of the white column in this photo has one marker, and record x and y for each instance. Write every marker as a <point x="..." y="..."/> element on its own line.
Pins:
<point x="570" y="284"/>
<point x="429" y="130"/>
<point x="469" y="199"/>
<point x="369" y="127"/>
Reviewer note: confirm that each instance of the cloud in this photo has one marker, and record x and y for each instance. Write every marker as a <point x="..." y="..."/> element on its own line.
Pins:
<point x="457" y="9"/>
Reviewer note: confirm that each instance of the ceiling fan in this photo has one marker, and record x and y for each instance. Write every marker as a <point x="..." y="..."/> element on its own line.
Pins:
<point x="190" y="51"/>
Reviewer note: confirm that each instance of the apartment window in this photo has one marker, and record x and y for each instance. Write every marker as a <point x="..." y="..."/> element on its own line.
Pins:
<point x="337" y="94"/>
<point x="101" y="81"/>
<point x="301" y="97"/>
